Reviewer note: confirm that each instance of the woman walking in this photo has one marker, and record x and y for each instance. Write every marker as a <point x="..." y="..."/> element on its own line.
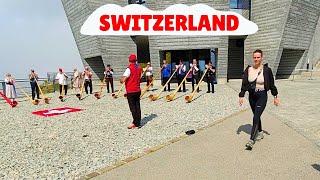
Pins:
<point x="257" y="80"/>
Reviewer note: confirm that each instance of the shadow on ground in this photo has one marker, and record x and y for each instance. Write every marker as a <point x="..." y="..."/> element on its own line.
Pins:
<point x="244" y="128"/>
<point x="148" y="118"/>
<point x="316" y="166"/>
<point x="247" y="129"/>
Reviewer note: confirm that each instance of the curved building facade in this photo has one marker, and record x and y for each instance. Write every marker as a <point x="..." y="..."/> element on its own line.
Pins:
<point x="289" y="35"/>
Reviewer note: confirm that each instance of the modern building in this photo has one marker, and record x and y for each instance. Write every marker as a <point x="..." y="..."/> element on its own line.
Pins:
<point x="289" y="35"/>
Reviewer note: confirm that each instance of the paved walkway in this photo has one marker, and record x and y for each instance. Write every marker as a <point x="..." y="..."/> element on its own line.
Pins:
<point x="299" y="106"/>
<point x="218" y="152"/>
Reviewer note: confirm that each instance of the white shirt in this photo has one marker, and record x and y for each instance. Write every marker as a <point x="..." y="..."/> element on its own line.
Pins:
<point x="108" y="73"/>
<point x="196" y="69"/>
<point x="149" y="71"/>
<point x="62" y="79"/>
<point x="86" y="74"/>
<point x="183" y="68"/>
<point x="126" y="73"/>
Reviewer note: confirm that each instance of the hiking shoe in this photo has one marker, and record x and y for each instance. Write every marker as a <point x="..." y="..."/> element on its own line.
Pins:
<point x="249" y="145"/>
<point x="259" y="136"/>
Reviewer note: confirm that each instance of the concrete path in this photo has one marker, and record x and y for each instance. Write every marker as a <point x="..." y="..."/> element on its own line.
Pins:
<point x="218" y="152"/>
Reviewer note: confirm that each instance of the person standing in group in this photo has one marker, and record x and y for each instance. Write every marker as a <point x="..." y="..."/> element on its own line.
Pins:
<point x="108" y="73"/>
<point x="62" y="79"/>
<point x="76" y="81"/>
<point x="195" y="74"/>
<point x="180" y="75"/>
<point x="131" y="78"/>
<point x="166" y="73"/>
<point x="33" y="77"/>
<point x="257" y="80"/>
<point x="211" y="78"/>
<point x="149" y="74"/>
<point x="10" y="88"/>
<point x="87" y="77"/>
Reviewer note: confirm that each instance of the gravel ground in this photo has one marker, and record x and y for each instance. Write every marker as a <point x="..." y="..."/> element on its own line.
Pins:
<point x="72" y="145"/>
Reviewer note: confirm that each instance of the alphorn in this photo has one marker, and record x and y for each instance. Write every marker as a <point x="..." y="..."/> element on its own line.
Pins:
<point x="81" y="90"/>
<point x="46" y="100"/>
<point x="147" y="88"/>
<point x="171" y="97"/>
<point x="62" y="93"/>
<point x="97" y="95"/>
<point x="12" y="104"/>
<point x="115" y="95"/>
<point x="152" y="97"/>
<point x="189" y="98"/>
<point x="35" y="102"/>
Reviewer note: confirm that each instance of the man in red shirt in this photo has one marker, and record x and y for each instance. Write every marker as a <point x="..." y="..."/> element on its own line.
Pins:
<point x="132" y="77"/>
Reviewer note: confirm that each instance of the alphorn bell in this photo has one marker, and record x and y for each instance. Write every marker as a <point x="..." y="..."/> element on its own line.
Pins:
<point x="46" y="100"/>
<point x="171" y="97"/>
<point x="62" y="93"/>
<point x="35" y="102"/>
<point x="115" y="95"/>
<point x="152" y="97"/>
<point x="97" y="95"/>
<point x="81" y="90"/>
<point x="147" y="88"/>
<point x="189" y="98"/>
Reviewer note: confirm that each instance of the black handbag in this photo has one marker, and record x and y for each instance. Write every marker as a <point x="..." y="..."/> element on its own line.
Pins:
<point x="251" y="87"/>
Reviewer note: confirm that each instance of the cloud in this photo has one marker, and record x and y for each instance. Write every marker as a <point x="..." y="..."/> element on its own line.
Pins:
<point x="177" y="19"/>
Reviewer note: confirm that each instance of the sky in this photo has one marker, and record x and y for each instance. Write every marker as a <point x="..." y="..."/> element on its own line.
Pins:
<point x="35" y="34"/>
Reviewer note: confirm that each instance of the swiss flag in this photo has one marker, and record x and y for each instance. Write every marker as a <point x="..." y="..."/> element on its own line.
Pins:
<point x="56" y="111"/>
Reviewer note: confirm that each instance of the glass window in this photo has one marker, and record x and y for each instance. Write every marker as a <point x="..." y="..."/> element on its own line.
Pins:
<point x="233" y="4"/>
<point x="239" y="4"/>
<point x="136" y="2"/>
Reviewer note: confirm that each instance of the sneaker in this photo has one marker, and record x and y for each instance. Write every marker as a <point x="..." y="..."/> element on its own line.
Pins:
<point x="208" y="91"/>
<point x="259" y="136"/>
<point x="132" y="127"/>
<point x="249" y="145"/>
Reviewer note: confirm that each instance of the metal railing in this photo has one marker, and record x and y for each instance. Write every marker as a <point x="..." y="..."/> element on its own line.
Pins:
<point x="25" y="84"/>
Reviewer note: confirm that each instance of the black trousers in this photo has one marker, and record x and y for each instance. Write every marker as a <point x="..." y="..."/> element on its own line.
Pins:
<point x="164" y="81"/>
<point x="180" y="78"/>
<point x="210" y="80"/>
<point x="34" y="89"/>
<point x="195" y="80"/>
<point x="65" y="89"/>
<point x="258" y="101"/>
<point x="88" y="82"/>
<point x="134" y="105"/>
<point x="149" y="80"/>
<point x="109" y="81"/>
